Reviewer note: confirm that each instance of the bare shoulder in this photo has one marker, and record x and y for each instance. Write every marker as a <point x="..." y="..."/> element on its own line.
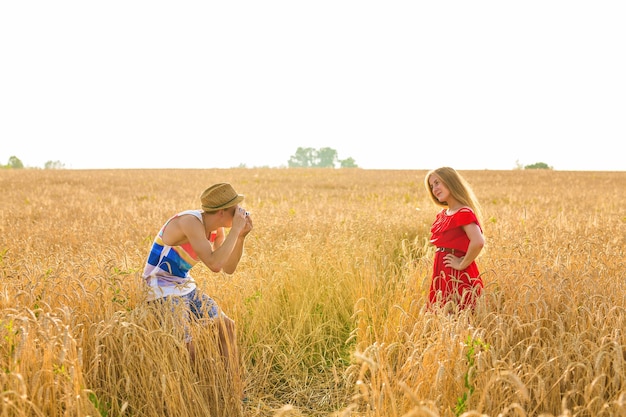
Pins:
<point x="188" y="219"/>
<point x="462" y="209"/>
<point x="180" y="229"/>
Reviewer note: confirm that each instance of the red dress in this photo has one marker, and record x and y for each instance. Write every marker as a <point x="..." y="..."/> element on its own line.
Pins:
<point x="448" y="284"/>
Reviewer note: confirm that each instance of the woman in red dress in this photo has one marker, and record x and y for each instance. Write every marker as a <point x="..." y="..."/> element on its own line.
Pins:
<point x="458" y="237"/>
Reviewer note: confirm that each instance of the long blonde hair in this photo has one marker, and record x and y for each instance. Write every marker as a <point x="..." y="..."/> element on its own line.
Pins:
<point x="459" y="188"/>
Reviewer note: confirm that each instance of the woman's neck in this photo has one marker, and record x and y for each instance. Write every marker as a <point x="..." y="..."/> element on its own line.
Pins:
<point x="453" y="207"/>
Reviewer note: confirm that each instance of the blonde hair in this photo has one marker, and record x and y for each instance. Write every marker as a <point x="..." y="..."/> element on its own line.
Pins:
<point x="459" y="188"/>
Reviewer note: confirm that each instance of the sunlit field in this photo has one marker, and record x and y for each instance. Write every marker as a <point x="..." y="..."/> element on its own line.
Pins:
<point x="329" y="297"/>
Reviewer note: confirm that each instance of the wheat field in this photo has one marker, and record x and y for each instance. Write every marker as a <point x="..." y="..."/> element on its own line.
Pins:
<point x="329" y="297"/>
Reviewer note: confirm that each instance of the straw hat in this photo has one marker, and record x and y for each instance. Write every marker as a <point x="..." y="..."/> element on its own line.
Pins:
<point x="220" y="196"/>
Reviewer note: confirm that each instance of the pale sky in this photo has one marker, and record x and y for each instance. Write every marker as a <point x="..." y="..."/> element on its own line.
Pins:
<point x="391" y="84"/>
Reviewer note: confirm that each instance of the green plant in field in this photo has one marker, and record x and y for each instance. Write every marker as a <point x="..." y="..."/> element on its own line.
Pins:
<point x="123" y="272"/>
<point x="474" y="346"/>
<point x="10" y="339"/>
<point x="61" y="370"/>
<point x="102" y="408"/>
<point x="115" y="279"/>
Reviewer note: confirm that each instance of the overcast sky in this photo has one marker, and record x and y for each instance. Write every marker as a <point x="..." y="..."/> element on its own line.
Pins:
<point x="391" y="84"/>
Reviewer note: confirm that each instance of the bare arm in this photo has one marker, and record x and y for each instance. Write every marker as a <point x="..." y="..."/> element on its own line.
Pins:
<point x="477" y="241"/>
<point x="233" y="260"/>
<point x="189" y="228"/>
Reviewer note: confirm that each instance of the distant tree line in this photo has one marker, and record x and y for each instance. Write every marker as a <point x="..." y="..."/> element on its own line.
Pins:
<point x="303" y="158"/>
<point x="319" y="158"/>
<point x="536" y="165"/>
<point x="15" y="163"/>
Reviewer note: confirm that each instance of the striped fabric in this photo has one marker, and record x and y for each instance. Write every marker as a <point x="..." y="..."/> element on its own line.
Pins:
<point x="167" y="268"/>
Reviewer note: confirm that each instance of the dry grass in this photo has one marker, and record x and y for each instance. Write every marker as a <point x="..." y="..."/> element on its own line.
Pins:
<point x="329" y="297"/>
